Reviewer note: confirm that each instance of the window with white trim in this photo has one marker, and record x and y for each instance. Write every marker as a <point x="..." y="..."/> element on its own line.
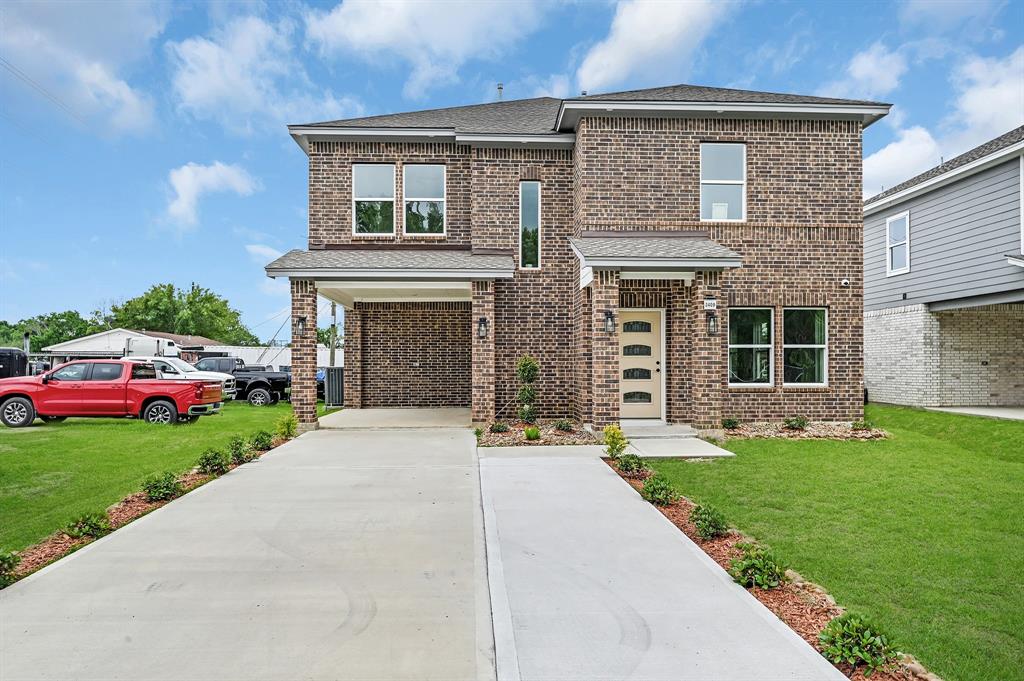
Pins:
<point x="897" y="244"/>
<point x="423" y="191"/>
<point x="723" y="182"/>
<point x="750" y="346"/>
<point x="373" y="199"/>
<point x="805" y="346"/>
<point x="529" y="225"/>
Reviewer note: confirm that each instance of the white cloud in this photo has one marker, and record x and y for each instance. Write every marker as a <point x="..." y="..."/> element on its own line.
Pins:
<point x="261" y="254"/>
<point x="913" y="151"/>
<point x="192" y="180"/>
<point x="436" y="39"/>
<point x="245" y="75"/>
<point x="961" y="15"/>
<point x="873" y="72"/>
<point x="649" y="41"/>
<point x="80" y="51"/>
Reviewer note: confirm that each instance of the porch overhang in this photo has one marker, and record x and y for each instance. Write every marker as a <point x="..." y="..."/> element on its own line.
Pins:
<point x="639" y="255"/>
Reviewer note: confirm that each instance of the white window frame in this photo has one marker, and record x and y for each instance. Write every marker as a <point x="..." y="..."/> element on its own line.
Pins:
<point x="540" y="221"/>
<point x="889" y="271"/>
<point x="770" y="345"/>
<point x="812" y="345"/>
<point x="393" y="199"/>
<point x="743" y="182"/>
<point x="444" y="201"/>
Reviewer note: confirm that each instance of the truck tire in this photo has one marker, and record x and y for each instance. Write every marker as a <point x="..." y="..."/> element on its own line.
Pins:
<point x="160" y="412"/>
<point x="17" y="412"/>
<point x="260" y="397"/>
<point x="53" y="419"/>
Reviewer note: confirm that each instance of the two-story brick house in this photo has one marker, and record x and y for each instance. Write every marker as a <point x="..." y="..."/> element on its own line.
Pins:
<point x="681" y="254"/>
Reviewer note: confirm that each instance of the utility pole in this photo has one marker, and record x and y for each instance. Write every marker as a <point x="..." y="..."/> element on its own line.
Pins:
<point x="334" y="329"/>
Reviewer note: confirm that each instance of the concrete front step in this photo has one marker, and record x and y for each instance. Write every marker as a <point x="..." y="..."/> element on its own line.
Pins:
<point x="660" y="432"/>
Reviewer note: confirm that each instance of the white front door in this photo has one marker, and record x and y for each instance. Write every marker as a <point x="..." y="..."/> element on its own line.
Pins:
<point x="640" y="364"/>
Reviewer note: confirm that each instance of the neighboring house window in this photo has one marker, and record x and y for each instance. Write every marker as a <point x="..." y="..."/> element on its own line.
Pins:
<point x="750" y="346"/>
<point x="373" y="199"/>
<point x="529" y="225"/>
<point x="723" y="182"/>
<point x="805" y="346"/>
<point x="423" y="192"/>
<point x="897" y="244"/>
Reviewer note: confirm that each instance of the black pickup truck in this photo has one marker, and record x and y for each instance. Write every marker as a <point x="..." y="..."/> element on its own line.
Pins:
<point x="259" y="387"/>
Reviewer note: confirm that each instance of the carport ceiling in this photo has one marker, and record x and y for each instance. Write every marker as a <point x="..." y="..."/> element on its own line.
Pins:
<point x="350" y="292"/>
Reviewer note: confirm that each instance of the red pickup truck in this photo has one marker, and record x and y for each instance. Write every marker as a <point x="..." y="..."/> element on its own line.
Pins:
<point x="105" y="387"/>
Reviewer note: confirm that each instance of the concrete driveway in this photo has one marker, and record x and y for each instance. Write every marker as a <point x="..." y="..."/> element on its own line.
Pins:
<point x="341" y="555"/>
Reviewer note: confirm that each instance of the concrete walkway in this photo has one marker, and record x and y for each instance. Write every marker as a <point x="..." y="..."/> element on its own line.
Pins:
<point x="355" y="555"/>
<point x="590" y="582"/>
<point x="1011" y="413"/>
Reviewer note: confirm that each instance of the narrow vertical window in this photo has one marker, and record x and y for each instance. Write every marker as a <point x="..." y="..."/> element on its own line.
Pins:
<point x="529" y="225"/>
<point x="750" y="346"/>
<point x="373" y="199"/>
<point x="805" y="346"/>
<point x="897" y="244"/>
<point x="424" y="193"/>
<point x="723" y="182"/>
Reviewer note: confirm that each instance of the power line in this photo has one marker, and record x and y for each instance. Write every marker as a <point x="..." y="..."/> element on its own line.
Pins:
<point x="57" y="101"/>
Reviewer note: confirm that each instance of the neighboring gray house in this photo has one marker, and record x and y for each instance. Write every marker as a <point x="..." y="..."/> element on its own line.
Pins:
<point x="944" y="282"/>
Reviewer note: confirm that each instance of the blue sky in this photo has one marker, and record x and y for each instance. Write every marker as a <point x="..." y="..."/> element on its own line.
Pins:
<point x="145" y="142"/>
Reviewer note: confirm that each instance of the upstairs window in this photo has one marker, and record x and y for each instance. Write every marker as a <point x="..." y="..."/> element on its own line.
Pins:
<point x="805" y="346"/>
<point x="897" y="244"/>
<point x="373" y="199"/>
<point x="750" y="346"/>
<point x="723" y="182"/>
<point x="424" y="199"/>
<point x="529" y="225"/>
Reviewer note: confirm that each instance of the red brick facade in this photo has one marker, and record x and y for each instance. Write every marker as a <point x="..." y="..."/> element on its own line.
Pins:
<point x="303" y="390"/>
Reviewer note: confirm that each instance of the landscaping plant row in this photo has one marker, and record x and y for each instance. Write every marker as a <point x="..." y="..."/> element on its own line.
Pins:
<point x="157" y="490"/>
<point x="856" y="646"/>
<point x="801" y="428"/>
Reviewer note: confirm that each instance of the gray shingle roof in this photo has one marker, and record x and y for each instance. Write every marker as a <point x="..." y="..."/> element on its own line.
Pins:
<point x="390" y="259"/>
<point x="980" y="151"/>
<point x="700" y="93"/>
<point x="651" y="248"/>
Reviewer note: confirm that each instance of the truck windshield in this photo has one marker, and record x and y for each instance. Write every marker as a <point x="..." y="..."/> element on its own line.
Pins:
<point x="180" y="364"/>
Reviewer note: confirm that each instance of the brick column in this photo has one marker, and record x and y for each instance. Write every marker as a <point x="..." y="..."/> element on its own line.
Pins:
<point x="353" y="398"/>
<point x="304" y="354"/>
<point x="708" y="355"/>
<point x="483" y="352"/>
<point x="604" y="349"/>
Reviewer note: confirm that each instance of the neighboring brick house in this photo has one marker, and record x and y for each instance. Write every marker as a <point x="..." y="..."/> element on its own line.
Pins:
<point x="681" y="254"/>
<point x="944" y="282"/>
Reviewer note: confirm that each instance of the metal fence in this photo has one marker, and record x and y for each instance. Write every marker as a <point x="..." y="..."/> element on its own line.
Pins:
<point x="334" y="386"/>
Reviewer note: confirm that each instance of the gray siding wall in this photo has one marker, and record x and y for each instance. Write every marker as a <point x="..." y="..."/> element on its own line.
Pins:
<point x="959" y="237"/>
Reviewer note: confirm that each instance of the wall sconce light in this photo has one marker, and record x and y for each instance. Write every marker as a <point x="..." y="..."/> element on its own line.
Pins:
<point x="300" y="326"/>
<point x="481" y="327"/>
<point x="712" y="323"/>
<point x="609" y="321"/>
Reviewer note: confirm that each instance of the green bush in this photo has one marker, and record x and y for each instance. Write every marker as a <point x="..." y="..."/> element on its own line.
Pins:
<point x="757" y="567"/>
<point x="262" y="440"/>
<point x="564" y="425"/>
<point x="239" y="450"/>
<point x="527" y="369"/>
<point x="709" y="521"/>
<point x="527" y="394"/>
<point x="527" y="413"/>
<point x="730" y="424"/>
<point x="163" y="486"/>
<point x="89" y="525"/>
<point x="851" y="639"/>
<point x="287" y="426"/>
<point x="862" y="424"/>
<point x="658" y="490"/>
<point x="479" y="432"/>
<point x="614" y="441"/>
<point x="8" y="564"/>
<point x="499" y="427"/>
<point x="213" y="462"/>
<point x="532" y="433"/>
<point x="796" y="422"/>
<point x="632" y="466"/>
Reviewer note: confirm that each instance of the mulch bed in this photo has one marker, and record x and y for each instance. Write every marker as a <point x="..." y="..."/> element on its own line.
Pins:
<point x="813" y="431"/>
<point x="549" y="435"/>
<point x="804" y="606"/>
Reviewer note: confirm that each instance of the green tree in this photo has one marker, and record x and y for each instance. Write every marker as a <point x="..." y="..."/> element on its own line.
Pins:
<point x="46" y="329"/>
<point x="323" y="337"/>
<point x="193" y="311"/>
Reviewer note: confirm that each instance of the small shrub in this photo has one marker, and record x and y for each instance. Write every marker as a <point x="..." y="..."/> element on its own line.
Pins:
<point x="851" y="639"/>
<point x="730" y="424"/>
<point x="287" y="426"/>
<point x="795" y="422"/>
<point x="756" y="567"/>
<point x="861" y="424"/>
<point x="499" y="427"/>
<point x="564" y="425"/>
<point x="262" y="440"/>
<point x="658" y="490"/>
<point x="88" y="525"/>
<point x="527" y="369"/>
<point x="163" y="486"/>
<point x="527" y="413"/>
<point x="8" y="564"/>
<point x="709" y="521"/>
<point x="239" y="450"/>
<point x="532" y="433"/>
<point x="632" y="466"/>
<point x="213" y="462"/>
<point x="479" y="432"/>
<point x="527" y="394"/>
<point x="614" y="441"/>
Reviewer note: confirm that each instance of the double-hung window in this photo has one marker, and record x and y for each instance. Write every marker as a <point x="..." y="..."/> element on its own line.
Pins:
<point x="750" y="346"/>
<point x="529" y="225"/>
<point x="897" y="244"/>
<point x="424" y="192"/>
<point x="723" y="182"/>
<point x="373" y="199"/>
<point x="805" y="346"/>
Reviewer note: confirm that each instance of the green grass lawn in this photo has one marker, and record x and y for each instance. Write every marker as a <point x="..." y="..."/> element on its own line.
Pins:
<point x="923" y="532"/>
<point x="50" y="474"/>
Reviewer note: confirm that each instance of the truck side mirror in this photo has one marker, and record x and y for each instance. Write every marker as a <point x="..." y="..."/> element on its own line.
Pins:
<point x="46" y="379"/>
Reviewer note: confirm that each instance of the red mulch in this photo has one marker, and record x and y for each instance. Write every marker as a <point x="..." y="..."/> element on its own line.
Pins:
<point x="803" y="606"/>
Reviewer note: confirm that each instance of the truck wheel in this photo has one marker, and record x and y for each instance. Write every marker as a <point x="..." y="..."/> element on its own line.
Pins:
<point x="259" y="397"/>
<point x="53" y="419"/>
<point x="160" y="411"/>
<point x="17" y="412"/>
